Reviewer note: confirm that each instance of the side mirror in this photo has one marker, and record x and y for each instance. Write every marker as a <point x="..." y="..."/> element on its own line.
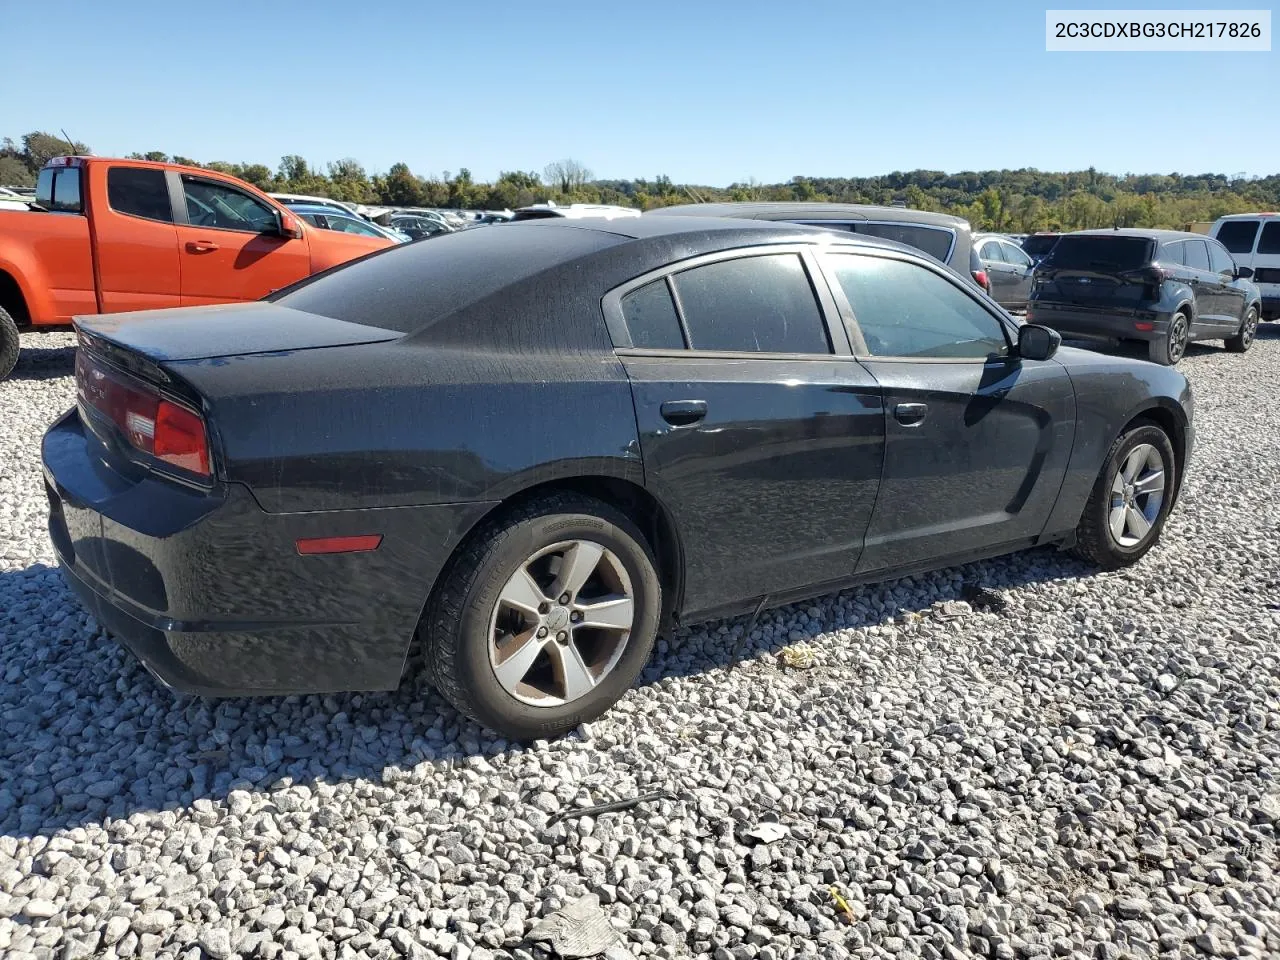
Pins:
<point x="1244" y="273"/>
<point x="1036" y="342"/>
<point x="287" y="226"/>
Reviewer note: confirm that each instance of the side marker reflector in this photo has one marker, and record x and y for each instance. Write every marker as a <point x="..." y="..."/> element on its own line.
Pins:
<point x="313" y="545"/>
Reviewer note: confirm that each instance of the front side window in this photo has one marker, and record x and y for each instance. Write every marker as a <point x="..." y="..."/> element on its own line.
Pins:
<point x="1014" y="255"/>
<point x="1238" y="235"/>
<point x="906" y="310"/>
<point x="1220" y="260"/>
<point x="139" y="192"/>
<point x="347" y="225"/>
<point x="651" y="317"/>
<point x="217" y="205"/>
<point x="762" y="304"/>
<point x="1196" y="254"/>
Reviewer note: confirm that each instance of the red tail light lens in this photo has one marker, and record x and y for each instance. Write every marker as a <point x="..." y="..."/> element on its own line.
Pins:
<point x="147" y="421"/>
<point x="983" y="282"/>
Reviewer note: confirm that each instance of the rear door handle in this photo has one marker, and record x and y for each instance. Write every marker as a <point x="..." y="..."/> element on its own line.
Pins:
<point x="683" y="413"/>
<point x="911" y="414"/>
<point x="201" y="246"/>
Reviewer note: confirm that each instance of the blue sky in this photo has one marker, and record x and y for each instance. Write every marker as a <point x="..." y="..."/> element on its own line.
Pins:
<point x="703" y="92"/>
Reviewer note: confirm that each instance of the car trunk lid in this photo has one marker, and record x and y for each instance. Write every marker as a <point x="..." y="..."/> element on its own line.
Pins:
<point x="223" y="330"/>
<point x="1089" y="269"/>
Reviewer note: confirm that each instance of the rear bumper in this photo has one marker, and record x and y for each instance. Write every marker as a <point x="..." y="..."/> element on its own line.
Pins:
<point x="210" y="593"/>
<point x="1100" y="323"/>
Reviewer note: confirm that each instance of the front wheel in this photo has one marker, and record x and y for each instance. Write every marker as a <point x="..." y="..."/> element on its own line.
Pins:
<point x="544" y="618"/>
<point x="1243" y="340"/>
<point x="8" y="343"/>
<point x="1169" y="349"/>
<point x="1130" y="500"/>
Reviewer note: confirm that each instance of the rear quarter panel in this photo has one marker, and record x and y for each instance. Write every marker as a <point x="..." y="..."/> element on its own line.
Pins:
<point x="1110" y="392"/>
<point x="50" y="258"/>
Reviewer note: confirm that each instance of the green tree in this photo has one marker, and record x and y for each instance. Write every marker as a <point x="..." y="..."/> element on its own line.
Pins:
<point x="400" y="187"/>
<point x="39" y="148"/>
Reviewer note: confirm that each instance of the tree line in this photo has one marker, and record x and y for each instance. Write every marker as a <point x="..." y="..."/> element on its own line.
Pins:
<point x="1004" y="200"/>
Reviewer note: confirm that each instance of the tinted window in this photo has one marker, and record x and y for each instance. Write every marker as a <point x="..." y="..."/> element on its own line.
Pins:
<point x="1099" y="252"/>
<point x="651" y="317"/>
<point x="1039" y="246"/>
<point x="752" y="304"/>
<point x="1197" y="256"/>
<point x="991" y="251"/>
<point x="44" y="188"/>
<point x="904" y="310"/>
<point x="218" y="205"/>
<point x="1014" y="255"/>
<point x="139" y="193"/>
<point x="1237" y="235"/>
<point x="1219" y="259"/>
<point x="1172" y="255"/>
<point x="1269" y="242"/>
<point x="59" y="189"/>
<point x="934" y="241"/>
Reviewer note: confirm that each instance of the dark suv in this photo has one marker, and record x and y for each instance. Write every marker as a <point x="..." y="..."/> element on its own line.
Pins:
<point x="1162" y="286"/>
<point x="943" y="237"/>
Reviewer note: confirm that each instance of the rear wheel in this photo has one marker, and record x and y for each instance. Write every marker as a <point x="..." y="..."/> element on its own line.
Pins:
<point x="1130" y="500"/>
<point x="1169" y="349"/>
<point x="544" y="618"/>
<point x="8" y="343"/>
<point x="1243" y="340"/>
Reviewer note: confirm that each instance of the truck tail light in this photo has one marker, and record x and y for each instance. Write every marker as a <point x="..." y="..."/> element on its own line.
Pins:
<point x="148" y="422"/>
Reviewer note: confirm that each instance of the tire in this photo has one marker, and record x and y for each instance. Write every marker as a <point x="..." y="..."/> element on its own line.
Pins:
<point x="1096" y="540"/>
<point x="8" y="344"/>
<point x="1243" y="340"/>
<point x="1168" y="350"/>
<point x="470" y="608"/>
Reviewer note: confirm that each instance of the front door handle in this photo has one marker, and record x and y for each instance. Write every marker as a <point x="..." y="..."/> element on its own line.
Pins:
<point x="683" y="413"/>
<point x="911" y="414"/>
<point x="201" y="246"/>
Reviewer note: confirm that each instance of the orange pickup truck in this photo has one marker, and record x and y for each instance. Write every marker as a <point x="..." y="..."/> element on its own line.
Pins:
<point x="107" y="236"/>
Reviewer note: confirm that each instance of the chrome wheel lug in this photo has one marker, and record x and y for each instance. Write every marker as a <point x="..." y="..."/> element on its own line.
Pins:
<point x="564" y="599"/>
<point x="542" y="631"/>
<point x="562" y="636"/>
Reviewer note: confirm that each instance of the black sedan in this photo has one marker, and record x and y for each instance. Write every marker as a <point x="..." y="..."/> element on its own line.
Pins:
<point x="535" y="447"/>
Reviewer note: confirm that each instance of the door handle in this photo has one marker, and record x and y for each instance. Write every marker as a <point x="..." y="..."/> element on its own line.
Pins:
<point x="683" y="413"/>
<point x="911" y="414"/>
<point x="201" y="246"/>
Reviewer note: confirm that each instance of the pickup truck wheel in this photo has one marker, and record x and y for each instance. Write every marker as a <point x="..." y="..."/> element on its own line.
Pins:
<point x="8" y="344"/>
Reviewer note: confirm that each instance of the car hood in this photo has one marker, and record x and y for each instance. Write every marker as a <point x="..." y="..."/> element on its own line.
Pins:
<point x="225" y="330"/>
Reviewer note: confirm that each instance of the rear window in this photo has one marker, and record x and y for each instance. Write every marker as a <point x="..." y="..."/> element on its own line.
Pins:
<point x="1039" y="246"/>
<point x="58" y="188"/>
<point x="410" y="286"/>
<point x="1269" y="242"/>
<point x="1100" y="252"/>
<point x="1237" y="235"/>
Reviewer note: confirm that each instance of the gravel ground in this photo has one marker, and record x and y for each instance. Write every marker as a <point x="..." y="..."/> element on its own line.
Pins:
<point x="1091" y="773"/>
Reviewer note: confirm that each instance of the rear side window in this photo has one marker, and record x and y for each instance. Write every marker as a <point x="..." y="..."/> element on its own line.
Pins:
<point x="651" y="317"/>
<point x="1100" y="252"/>
<point x="1269" y="242"/>
<point x="59" y="189"/>
<point x="1238" y="235"/>
<point x="1171" y="254"/>
<point x="904" y="310"/>
<point x="1220" y="260"/>
<point x="991" y="251"/>
<point x="1197" y="255"/>
<point x="759" y="304"/>
<point x="139" y="193"/>
<point x="934" y="241"/>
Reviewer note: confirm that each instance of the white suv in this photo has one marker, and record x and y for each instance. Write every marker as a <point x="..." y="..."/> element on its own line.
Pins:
<point x="1254" y="241"/>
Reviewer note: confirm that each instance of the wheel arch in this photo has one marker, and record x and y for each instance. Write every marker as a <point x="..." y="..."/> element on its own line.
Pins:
<point x="1169" y="417"/>
<point x="13" y="299"/>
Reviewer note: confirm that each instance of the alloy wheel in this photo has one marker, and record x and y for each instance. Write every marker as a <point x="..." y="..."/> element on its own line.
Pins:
<point x="1250" y="328"/>
<point x="561" y="623"/>
<point x="1177" y="338"/>
<point x="1137" y="494"/>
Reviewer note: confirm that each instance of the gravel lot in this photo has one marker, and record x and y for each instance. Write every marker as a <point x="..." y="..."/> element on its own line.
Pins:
<point x="1091" y="773"/>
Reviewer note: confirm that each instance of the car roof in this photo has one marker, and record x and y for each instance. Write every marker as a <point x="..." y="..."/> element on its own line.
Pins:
<point x="749" y="231"/>
<point x="1139" y="232"/>
<point x="1265" y="215"/>
<point x="810" y="210"/>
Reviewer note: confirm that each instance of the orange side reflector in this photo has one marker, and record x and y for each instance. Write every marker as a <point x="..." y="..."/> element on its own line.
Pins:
<point x="313" y="545"/>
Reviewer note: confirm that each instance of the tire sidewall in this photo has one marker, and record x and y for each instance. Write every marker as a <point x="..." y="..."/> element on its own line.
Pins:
<point x="1159" y="439"/>
<point x="1186" y="339"/>
<point x="495" y="707"/>
<point x="9" y="344"/>
<point x="1246" y="337"/>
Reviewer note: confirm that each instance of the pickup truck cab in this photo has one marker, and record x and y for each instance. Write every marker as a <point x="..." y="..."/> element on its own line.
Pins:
<point x="107" y="236"/>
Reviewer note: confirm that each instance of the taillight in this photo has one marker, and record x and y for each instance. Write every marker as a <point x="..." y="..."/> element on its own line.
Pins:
<point x="983" y="282"/>
<point x="149" y="423"/>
